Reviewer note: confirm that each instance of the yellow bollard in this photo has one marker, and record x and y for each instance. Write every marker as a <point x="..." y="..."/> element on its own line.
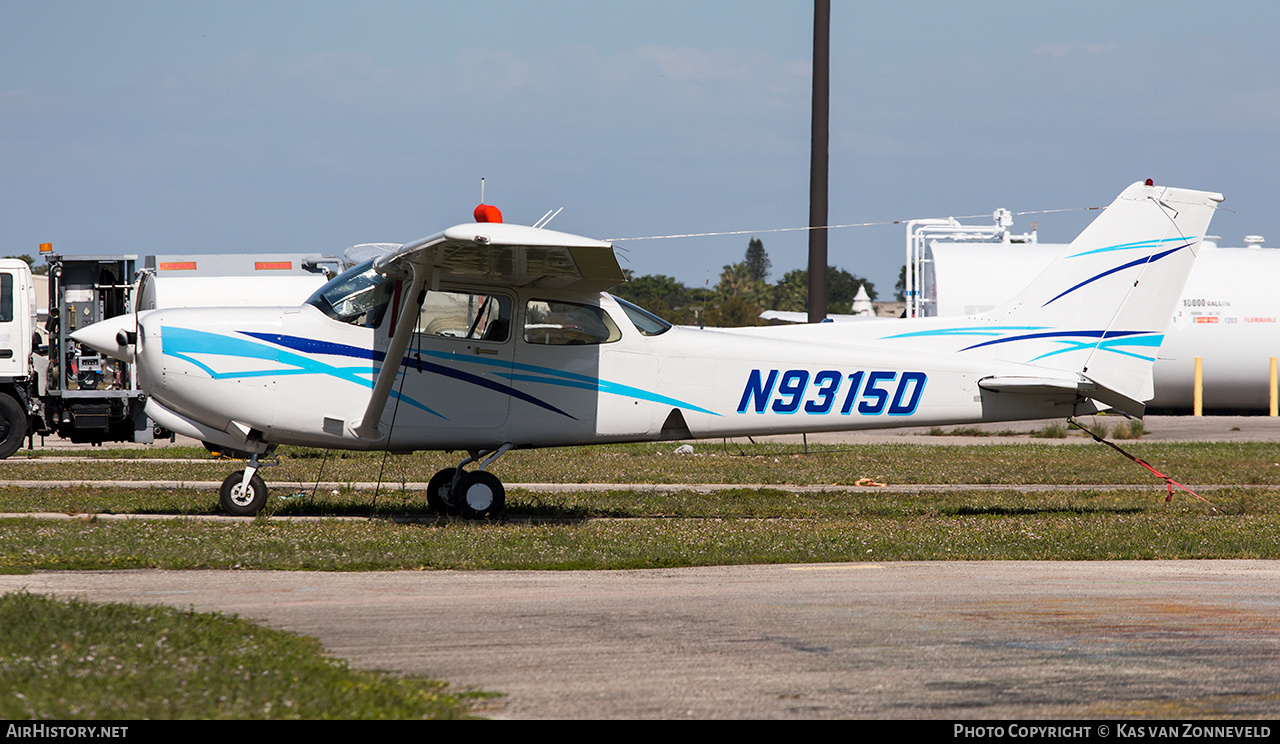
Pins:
<point x="1197" y="406"/>
<point x="1274" y="397"/>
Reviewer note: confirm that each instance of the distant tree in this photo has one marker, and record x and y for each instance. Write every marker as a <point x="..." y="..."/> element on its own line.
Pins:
<point x="733" y="311"/>
<point x="739" y="298"/>
<point x="737" y="280"/>
<point x="842" y="287"/>
<point x="900" y="289"/>
<point x="757" y="260"/>
<point x="792" y="291"/>
<point x="663" y="296"/>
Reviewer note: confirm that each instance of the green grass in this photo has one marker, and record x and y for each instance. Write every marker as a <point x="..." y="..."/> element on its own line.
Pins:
<point x="562" y="529"/>
<point x="626" y="529"/>
<point x="970" y="431"/>
<point x="1084" y="462"/>
<point x="1055" y="431"/>
<point x="65" y="659"/>
<point x="1130" y="429"/>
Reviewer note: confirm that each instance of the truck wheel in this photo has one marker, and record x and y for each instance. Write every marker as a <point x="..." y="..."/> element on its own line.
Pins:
<point x="13" y="425"/>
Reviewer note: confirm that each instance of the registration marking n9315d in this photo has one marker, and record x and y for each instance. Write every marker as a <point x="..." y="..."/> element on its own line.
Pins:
<point x="799" y="390"/>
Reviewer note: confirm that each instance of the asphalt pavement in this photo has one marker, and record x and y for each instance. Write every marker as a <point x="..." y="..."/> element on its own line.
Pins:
<point x="990" y="640"/>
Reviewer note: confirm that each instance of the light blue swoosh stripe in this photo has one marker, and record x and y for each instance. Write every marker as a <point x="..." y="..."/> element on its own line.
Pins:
<point x="1127" y="246"/>
<point x="1110" y="345"/>
<point x="967" y="331"/>
<point x="183" y="342"/>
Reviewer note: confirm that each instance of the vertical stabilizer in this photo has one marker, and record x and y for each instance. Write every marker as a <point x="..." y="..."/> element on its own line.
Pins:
<point x="1100" y="309"/>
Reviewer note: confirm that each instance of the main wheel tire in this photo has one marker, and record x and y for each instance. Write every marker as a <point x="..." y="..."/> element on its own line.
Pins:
<point x="439" y="497"/>
<point x="239" y="501"/>
<point x="13" y="425"/>
<point x="479" y="496"/>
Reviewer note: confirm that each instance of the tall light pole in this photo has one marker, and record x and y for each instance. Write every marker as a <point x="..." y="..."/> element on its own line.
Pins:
<point x="819" y="137"/>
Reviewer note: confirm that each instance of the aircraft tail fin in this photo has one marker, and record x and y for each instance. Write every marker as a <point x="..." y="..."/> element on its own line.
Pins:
<point x="1100" y="309"/>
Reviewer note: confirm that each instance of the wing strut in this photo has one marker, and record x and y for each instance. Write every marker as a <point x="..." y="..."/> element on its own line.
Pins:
<point x="368" y="426"/>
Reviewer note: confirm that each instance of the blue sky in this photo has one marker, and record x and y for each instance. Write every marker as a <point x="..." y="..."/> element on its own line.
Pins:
<point x="160" y="127"/>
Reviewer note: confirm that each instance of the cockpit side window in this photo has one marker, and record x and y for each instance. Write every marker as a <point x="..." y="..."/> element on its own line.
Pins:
<point x="358" y="296"/>
<point x="466" y="315"/>
<point x="568" y="323"/>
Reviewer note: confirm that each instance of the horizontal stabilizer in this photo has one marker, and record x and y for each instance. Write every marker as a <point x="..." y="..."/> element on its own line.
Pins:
<point x="1038" y="385"/>
<point x="1063" y="389"/>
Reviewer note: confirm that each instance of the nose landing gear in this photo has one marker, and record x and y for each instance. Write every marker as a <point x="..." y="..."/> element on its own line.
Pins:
<point x="241" y="496"/>
<point x="244" y="493"/>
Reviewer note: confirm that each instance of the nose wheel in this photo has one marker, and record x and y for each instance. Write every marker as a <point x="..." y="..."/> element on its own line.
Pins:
<point x="241" y="499"/>
<point x="244" y="493"/>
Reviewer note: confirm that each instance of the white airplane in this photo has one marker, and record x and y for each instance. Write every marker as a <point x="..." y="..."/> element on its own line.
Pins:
<point x="490" y="337"/>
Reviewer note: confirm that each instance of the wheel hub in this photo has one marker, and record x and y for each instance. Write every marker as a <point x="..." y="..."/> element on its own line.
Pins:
<point x="479" y="497"/>
<point x="242" y="496"/>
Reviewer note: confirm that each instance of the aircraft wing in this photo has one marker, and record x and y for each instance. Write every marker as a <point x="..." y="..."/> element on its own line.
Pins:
<point x="502" y="255"/>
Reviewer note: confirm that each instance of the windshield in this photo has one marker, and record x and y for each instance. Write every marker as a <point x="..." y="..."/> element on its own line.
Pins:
<point x="358" y="296"/>
<point x="646" y="322"/>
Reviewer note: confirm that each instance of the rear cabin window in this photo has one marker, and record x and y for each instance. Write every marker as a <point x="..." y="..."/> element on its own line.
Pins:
<point x="567" y="323"/>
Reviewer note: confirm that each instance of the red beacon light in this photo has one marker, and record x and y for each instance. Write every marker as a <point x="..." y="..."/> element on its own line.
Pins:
<point x="488" y="213"/>
<point x="1150" y="182"/>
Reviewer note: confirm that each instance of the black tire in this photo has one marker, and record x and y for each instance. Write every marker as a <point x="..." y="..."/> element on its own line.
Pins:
<point x="13" y="425"/>
<point x="438" y="496"/>
<point x="479" y="496"/>
<point x="236" y="502"/>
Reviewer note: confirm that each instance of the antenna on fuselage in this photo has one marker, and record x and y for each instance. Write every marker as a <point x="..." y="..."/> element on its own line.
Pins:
<point x="550" y="215"/>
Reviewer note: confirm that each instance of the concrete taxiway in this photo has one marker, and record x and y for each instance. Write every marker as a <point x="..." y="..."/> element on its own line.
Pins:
<point x="964" y="640"/>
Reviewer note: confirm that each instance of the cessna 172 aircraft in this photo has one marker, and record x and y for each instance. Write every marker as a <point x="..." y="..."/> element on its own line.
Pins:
<point x="490" y="336"/>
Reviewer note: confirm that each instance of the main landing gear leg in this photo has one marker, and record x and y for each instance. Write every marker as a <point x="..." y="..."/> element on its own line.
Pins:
<point x="475" y="495"/>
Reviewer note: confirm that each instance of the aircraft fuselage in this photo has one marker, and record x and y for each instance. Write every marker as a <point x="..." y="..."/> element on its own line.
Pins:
<point x="298" y="376"/>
